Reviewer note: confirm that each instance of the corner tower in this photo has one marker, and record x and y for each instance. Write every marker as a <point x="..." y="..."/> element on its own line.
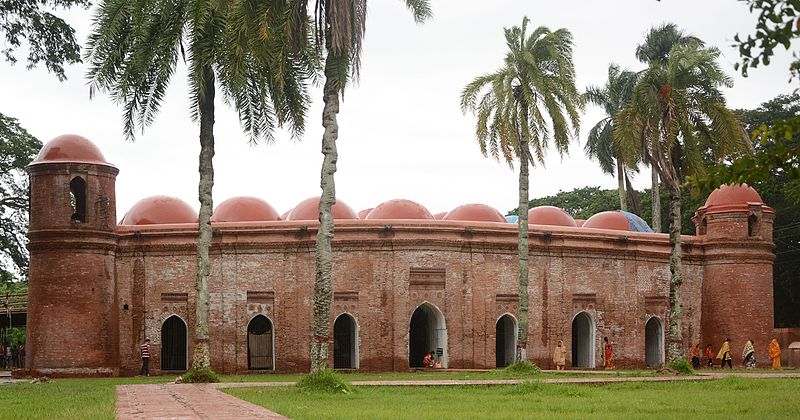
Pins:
<point x="72" y="316"/>
<point x="737" y="297"/>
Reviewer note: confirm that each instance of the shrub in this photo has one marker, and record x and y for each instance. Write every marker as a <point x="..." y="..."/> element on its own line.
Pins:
<point x="201" y="376"/>
<point x="681" y="366"/>
<point x="525" y="368"/>
<point x="324" y="382"/>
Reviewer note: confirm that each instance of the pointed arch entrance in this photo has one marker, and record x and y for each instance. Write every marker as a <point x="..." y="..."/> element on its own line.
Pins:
<point x="505" y="340"/>
<point x="260" y="344"/>
<point x="654" y="343"/>
<point x="427" y="332"/>
<point x="583" y="341"/>
<point x="345" y="342"/>
<point x="174" y="345"/>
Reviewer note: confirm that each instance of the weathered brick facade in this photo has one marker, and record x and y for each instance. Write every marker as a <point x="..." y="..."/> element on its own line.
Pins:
<point x="97" y="289"/>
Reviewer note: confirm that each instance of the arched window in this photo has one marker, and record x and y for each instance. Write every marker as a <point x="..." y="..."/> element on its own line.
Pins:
<point x="505" y="340"/>
<point x="345" y="342"/>
<point x="427" y="332"/>
<point x="174" y="348"/>
<point x="260" y="339"/>
<point x="583" y="341"/>
<point x="77" y="198"/>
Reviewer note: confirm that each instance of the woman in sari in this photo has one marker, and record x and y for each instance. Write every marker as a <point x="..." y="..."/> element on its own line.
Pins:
<point x="749" y="355"/>
<point x="608" y="351"/>
<point x="775" y="353"/>
<point x="725" y="354"/>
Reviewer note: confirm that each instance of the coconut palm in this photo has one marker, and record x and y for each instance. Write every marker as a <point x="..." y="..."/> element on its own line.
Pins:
<point x="240" y="46"/>
<point x="527" y="103"/>
<point x="676" y="114"/>
<point x="654" y="50"/>
<point x="338" y="28"/>
<point x="600" y="144"/>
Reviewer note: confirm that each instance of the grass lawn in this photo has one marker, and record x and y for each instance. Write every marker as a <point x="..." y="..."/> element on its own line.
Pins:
<point x="729" y="397"/>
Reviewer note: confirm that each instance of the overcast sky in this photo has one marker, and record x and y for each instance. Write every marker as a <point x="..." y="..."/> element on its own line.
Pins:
<point x="401" y="131"/>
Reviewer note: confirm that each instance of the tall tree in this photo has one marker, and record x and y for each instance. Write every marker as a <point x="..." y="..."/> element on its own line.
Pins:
<point x="527" y="103"/>
<point x="654" y="51"/>
<point x="240" y="46"/>
<point x="338" y="27"/>
<point x="676" y="114"/>
<point x="612" y="97"/>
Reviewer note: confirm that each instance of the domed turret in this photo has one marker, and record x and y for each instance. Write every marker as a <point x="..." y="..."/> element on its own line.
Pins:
<point x="245" y="209"/>
<point x="159" y="210"/>
<point x="70" y="148"/>
<point x="475" y="213"/>
<point x="400" y="209"/>
<point x="308" y="209"/>
<point x="733" y="194"/>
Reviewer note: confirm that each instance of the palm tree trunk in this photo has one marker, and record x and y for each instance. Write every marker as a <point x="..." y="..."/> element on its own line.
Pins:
<point x="656" y="191"/>
<point x="522" y="248"/>
<point x="633" y="196"/>
<point x="323" y="291"/>
<point x="676" y="276"/>
<point x="201" y="358"/>
<point x="623" y="202"/>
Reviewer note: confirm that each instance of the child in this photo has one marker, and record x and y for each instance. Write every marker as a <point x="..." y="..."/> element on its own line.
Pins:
<point x="709" y="356"/>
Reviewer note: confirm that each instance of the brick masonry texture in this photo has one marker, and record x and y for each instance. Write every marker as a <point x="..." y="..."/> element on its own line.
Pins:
<point x="98" y="289"/>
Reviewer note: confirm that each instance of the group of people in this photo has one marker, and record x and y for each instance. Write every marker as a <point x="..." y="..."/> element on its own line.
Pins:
<point x="726" y="356"/>
<point x="560" y="355"/>
<point x="429" y="360"/>
<point x="12" y="356"/>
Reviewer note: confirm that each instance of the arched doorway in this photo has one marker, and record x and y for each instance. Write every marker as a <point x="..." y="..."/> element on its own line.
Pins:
<point x="583" y="341"/>
<point x="345" y="342"/>
<point x="174" y="350"/>
<point x="260" y="349"/>
<point x="427" y="332"/>
<point x="654" y="343"/>
<point x="505" y="340"/>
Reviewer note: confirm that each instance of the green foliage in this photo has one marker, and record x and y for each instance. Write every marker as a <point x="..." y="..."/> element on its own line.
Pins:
<point x="777" y="25"/>
<point x="47" y="37"/>
<point x="16" y="336"/>
<point x="324" y="381"/>
<point x="201" y="376"/>
<point x="524" y="368"/>
<point x="682" y="366"/>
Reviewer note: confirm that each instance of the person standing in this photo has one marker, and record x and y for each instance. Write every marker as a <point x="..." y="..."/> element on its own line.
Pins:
<point x="709" y="357"/>
<point x="144" y="350"/>
<point x="608" y="351"/>
<point x="775" y="353"/>
<point x="560" y="356"/>
<point x="695" y="354"/>
<point x="724" y="354"/>
<point x="749" y="355"/>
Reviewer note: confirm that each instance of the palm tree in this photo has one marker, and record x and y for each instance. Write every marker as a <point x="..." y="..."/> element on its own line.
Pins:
<point x="655" y="50"/>
<point x="238" y="45"/>
<point x="678" y="113"/>
<point x="612" y="97"/>
<point x="513" y="105"/>
<point x="339" y="27"/>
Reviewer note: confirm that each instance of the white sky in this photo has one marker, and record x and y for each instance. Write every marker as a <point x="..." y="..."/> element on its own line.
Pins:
<point x="401" y="131"/>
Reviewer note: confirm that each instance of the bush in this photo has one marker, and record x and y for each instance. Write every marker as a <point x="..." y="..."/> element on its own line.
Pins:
<point x="324" y="382"/>
<point x="681" y="366"/>
<point x="525" y="368"/>
<point x="201" y="376"/>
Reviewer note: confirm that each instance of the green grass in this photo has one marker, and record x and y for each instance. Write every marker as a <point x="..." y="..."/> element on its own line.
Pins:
<point x="429" y="375"/>
<point x="730" y="397"/>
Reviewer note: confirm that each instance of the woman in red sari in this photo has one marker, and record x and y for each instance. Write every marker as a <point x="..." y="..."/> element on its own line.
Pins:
<point x="608" y="351"/>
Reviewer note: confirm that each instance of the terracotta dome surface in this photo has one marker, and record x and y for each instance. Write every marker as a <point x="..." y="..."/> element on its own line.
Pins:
<point x="308" y="209"/>
<point x="614" y="220"/>
<point x="400" y="209"/>
<point x="579" y="222"/>
<point x="733" y="194"/>
<point x="70" y="148"/>
<point x="244" y="209"/>
<point x="440" y="215"/>
<point x="158" y="210"/>
<point x="475" y="213"/>
<point x="363" y="213"/>
<point x="551" y="216"/>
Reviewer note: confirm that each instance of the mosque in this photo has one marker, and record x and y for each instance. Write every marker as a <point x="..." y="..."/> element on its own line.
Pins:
<point x="405" y="281"/>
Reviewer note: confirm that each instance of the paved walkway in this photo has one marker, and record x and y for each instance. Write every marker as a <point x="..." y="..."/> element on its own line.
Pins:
<point x="205" y="401"/>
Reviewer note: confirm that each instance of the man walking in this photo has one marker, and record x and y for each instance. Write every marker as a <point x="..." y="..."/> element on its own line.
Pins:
<point x="145" y="352"/>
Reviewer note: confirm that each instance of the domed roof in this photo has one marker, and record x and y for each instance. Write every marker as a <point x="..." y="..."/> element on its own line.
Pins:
<point x="363" y="213"/>
<point x="636" y="223"/>
<point x="440" y="215"/>
<point x="513" y="218"/>
<point x="733" y="194"/>
<point x="244" y="209"/>
<point x="308" y="209"/>
<point x="614" y="220"/>
<point x="70" y="148"/>
<point x="551" y="216"/>
<point x="158" y="210"/>
<point x="400" y="209"/>
<point x="475" y="213"/>
<point x="579" y="222"/>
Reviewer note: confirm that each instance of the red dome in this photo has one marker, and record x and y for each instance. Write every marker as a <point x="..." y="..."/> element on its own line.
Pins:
<point x="475" y="213"/>
<point x="244" y="209"/>
<point x="614" y="220"/>
<point x="400" y="209"/>
<point x="733" y="194"/>
<point x="551" y="216"/>
<point x="70" y="148"/>
<point x="158" y="210"/>
<point x="363" y="213"/>
<point x="308" y="209"/>
<point x="440" y="215"/>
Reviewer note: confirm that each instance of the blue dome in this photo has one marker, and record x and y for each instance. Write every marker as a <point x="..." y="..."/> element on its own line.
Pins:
<point x="636" y="223"/>
<point x="512" y="219"/>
